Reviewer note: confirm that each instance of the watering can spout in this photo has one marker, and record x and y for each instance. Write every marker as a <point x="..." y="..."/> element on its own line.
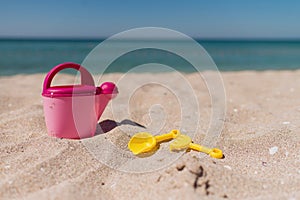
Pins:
<point x="107" y="91"/>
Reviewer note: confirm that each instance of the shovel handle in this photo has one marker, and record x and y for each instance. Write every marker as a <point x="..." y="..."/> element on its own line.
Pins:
<point x="215" y="153"/>
<point x="171" y="135"/>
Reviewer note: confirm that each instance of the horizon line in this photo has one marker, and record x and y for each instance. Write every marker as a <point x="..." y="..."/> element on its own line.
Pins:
<point x="66" y="38"/>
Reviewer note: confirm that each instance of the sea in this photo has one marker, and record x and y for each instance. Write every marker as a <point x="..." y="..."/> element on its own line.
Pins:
<point x="28" y="56"/>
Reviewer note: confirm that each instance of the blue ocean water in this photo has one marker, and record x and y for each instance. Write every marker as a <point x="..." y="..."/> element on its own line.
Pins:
<point x="39" y="56"/>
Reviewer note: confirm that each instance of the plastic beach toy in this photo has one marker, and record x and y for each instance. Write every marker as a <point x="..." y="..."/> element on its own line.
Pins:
<point x="72" y="111"/>
<point x="145" y="142"/>
<point x="183" y="142"/>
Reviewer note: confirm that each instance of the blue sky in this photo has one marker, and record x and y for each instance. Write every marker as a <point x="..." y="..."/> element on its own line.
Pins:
<point x="199" y="18"/>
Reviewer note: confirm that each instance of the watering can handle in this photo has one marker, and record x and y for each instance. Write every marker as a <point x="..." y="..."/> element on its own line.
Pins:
<point x="86" y="77"/>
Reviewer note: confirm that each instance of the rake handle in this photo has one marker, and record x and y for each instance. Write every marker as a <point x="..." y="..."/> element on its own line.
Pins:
<point x="215" y="153"/>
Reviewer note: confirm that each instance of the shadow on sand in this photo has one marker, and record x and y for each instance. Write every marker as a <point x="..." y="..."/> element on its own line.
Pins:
<point x="108" y="125"/>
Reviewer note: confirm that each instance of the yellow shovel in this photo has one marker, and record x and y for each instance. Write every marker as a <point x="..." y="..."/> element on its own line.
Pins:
<point x="145" y="142"/>
<point x="182" y="142"/>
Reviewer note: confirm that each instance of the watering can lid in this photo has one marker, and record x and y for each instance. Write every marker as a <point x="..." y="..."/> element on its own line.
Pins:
<point x="80" y="90"/>
<point x="71" y="90"/>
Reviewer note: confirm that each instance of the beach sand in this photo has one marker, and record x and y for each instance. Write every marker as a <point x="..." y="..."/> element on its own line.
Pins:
<point x="260" y="140"/>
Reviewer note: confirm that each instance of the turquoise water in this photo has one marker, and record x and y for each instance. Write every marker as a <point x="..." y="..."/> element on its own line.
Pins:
<point x="36" y="56"/>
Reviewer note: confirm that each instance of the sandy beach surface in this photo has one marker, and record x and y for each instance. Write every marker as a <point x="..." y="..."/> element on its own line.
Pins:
<point x="260" y="140"/>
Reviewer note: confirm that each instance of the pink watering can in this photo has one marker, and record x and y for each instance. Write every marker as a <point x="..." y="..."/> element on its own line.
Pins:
<point x="72" y="111"/>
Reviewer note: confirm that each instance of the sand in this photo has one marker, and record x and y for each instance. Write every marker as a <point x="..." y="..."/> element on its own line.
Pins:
<point x="260" y="140"/>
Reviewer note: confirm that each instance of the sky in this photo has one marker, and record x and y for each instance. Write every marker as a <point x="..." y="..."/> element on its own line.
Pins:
<point x="195" y="18"/>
